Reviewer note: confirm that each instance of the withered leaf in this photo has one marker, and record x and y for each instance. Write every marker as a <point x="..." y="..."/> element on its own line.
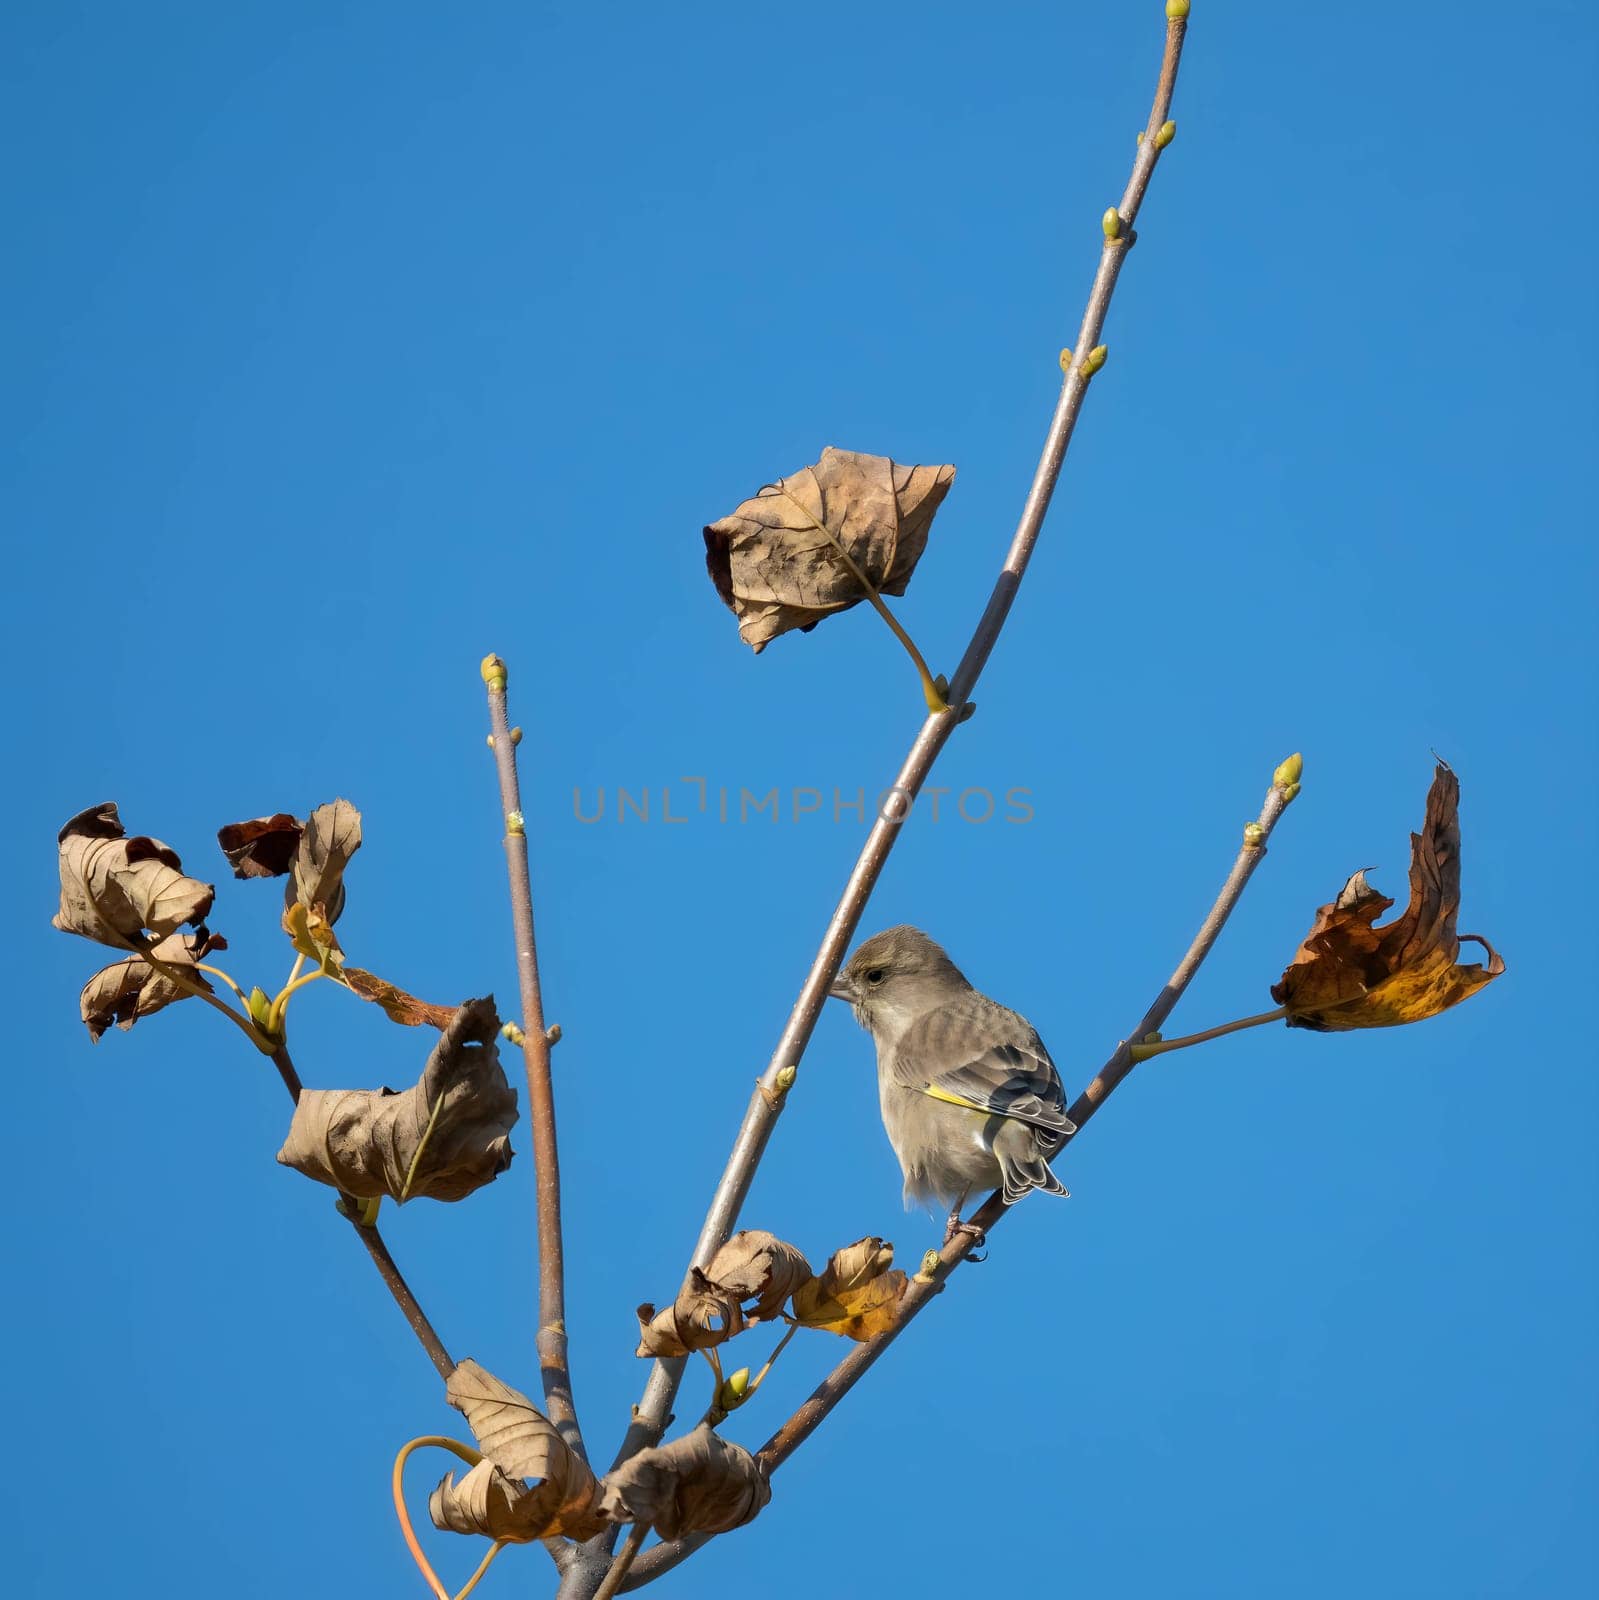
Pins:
<point x="395" y="1002"/>
<point x="313" y="937"/>
<point x="746" y="1281"/>
<point x="331" y="836"/>
<point x="701" y="1483"/>
<point x="776" y="568"/>
<point x="127" y="990"/>
<point x="518" y="1443"/>
<point x="112" y="884"/>
<point x="1351" y="974"/>
<point x="452" y="1126"/>
<point x="263" y="847"/>
<point x="855" y="1294"/>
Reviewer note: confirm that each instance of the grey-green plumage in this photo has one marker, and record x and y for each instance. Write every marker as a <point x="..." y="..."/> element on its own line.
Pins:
<point x="940" y="1041"/>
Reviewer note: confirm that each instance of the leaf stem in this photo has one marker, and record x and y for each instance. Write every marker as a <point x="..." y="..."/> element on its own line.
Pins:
<point x="1144" y="1052"/>
<point x="617" y="1570"/>
<point x="936" y="703"/>
<point x="397" y="1484"/>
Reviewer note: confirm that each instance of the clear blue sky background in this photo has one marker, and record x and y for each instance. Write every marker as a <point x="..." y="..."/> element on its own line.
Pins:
<point x="347" y="342"/>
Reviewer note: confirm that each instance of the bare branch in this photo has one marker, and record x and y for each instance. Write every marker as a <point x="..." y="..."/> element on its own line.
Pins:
<point x="651" y="1415"/>
<point x="923" y="1288"/>
<point x="552" y="1344"/>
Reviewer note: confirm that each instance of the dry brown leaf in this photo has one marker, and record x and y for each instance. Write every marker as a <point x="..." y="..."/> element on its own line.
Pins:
<point x="776" y="568"/>
<point x="1351" y="974"/>
<point x="518" y="1443"/>
<point x="745" y="1282"/>
<point x="855" y="1294"/>
<point x="113" y="884"/>
<point x="127" y="990"/>
<point x="701" y="1483"/>
<point x="263" y="847"/>
<point x="332" y="835"/>
<point x="395" y="1002"/>
<point x="458" y="1115"/>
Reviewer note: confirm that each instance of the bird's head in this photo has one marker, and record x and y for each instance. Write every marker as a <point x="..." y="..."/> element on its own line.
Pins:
<point x="894" y="977"/>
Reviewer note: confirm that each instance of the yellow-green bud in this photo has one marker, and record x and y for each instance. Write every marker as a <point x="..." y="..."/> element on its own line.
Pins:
<point x="1153" y="1038"/>
<point x="510" y="1031"/>
<point x="785" y="1078"/>
<point x="1177" y="10"/>
<point x="514" y="822"/>
<point x="1138" y="138"/>
<point x="1290" y="792"/>
<point x="516" y="736"/>
<point x="1111" y="222"/>
<point x="493" y="671"/>
<point x="259" y="1005"/>
<point x="1254" y="836"/>
<point x="1289" y="771"/>
<point x="1164" y="134"/>
<point x="931" y="1262"/>
<point x="1094" y="360"/>
<point x="1065" y="360"/>
<point x="734" y="1391"/>
<point x="552" y="1034"/>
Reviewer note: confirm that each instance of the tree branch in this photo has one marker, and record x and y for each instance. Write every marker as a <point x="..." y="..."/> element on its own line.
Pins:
<point x="651" y="1415"/>
<point x="921" y="1291"/>
<point x="552" y="1345"/>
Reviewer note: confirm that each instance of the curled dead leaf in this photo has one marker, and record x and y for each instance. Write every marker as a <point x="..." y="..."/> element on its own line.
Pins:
<point x="112" y="884"/>
<point x="775" y="561"/>
<point x="444" y="1137"/>
<point x="1351" y="974"/>
<point x="127" y="990"/>
<point x="263" y="847"/>
<point x="745" y="1282"/>
<point x="701" y="1483"/>
<point x="518" y="1443"/>
<point x="332" y="834"/>
<point x="855" y="1294"/>
<point x="396" y="1004"/>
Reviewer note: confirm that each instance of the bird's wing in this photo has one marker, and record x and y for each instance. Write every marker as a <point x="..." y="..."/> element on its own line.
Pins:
<point x="984" y="1057"/>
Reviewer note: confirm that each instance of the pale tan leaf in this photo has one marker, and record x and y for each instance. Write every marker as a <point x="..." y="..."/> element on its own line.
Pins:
<point x="452" y="1127"/>
<point x="775" y="560"/>
<point x="519" y="1443"/>
<point x="127" y="990"/>
<point x="701" y="1483"/>
<point x="746" y="1281"/>
<point x="113" y="884"/>
<point x="332" y="835"/>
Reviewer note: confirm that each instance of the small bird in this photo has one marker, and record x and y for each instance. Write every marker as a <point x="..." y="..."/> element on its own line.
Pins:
<point x="969" y="1095"/>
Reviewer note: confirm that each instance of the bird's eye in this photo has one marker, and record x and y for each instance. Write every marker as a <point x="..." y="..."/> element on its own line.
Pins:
<point x="875" y="976"/>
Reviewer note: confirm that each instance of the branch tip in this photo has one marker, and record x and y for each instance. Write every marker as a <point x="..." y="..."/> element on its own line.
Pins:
<point x="494" y="674"/>
<point x="1289" y="772"/>
<point x="1176" y="10"/>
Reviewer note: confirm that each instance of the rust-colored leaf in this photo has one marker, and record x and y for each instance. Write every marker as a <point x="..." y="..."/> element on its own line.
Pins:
<point x="112" y="884"/>
<point x="855" y="1294"/>
<point x="332" y="834"/>
<point x="518" y="1443"/>
<point x="263" y="847"/>
<point x="120" y="994"/>
<point x="701" y="1483"/>
<point x="444" y="1137"/>
<point x="1351" y="974"/>
<point x="395" y="1002"/>
<point x="775" y="560"/>
<point x="746" y="1281"/>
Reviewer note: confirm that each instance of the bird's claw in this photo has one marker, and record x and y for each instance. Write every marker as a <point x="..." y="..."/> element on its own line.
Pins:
<point x="955" y="1227"/>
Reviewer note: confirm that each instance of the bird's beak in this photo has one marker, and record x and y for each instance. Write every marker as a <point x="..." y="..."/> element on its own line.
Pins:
<point x="842" y="989"/>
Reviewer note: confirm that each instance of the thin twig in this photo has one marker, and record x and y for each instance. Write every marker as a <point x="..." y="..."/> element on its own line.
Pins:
<point x="552" y="1346"/>
<point x="1147" y="1052"/>
<point x="920" y="1292"/>
<point x="624" y="1559"/>
<point x="410" y="1308"/>
<point x="651" y="1415"/>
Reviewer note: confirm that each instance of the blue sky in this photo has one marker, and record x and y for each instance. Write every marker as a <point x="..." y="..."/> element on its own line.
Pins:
<point x="348" y="342"/>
